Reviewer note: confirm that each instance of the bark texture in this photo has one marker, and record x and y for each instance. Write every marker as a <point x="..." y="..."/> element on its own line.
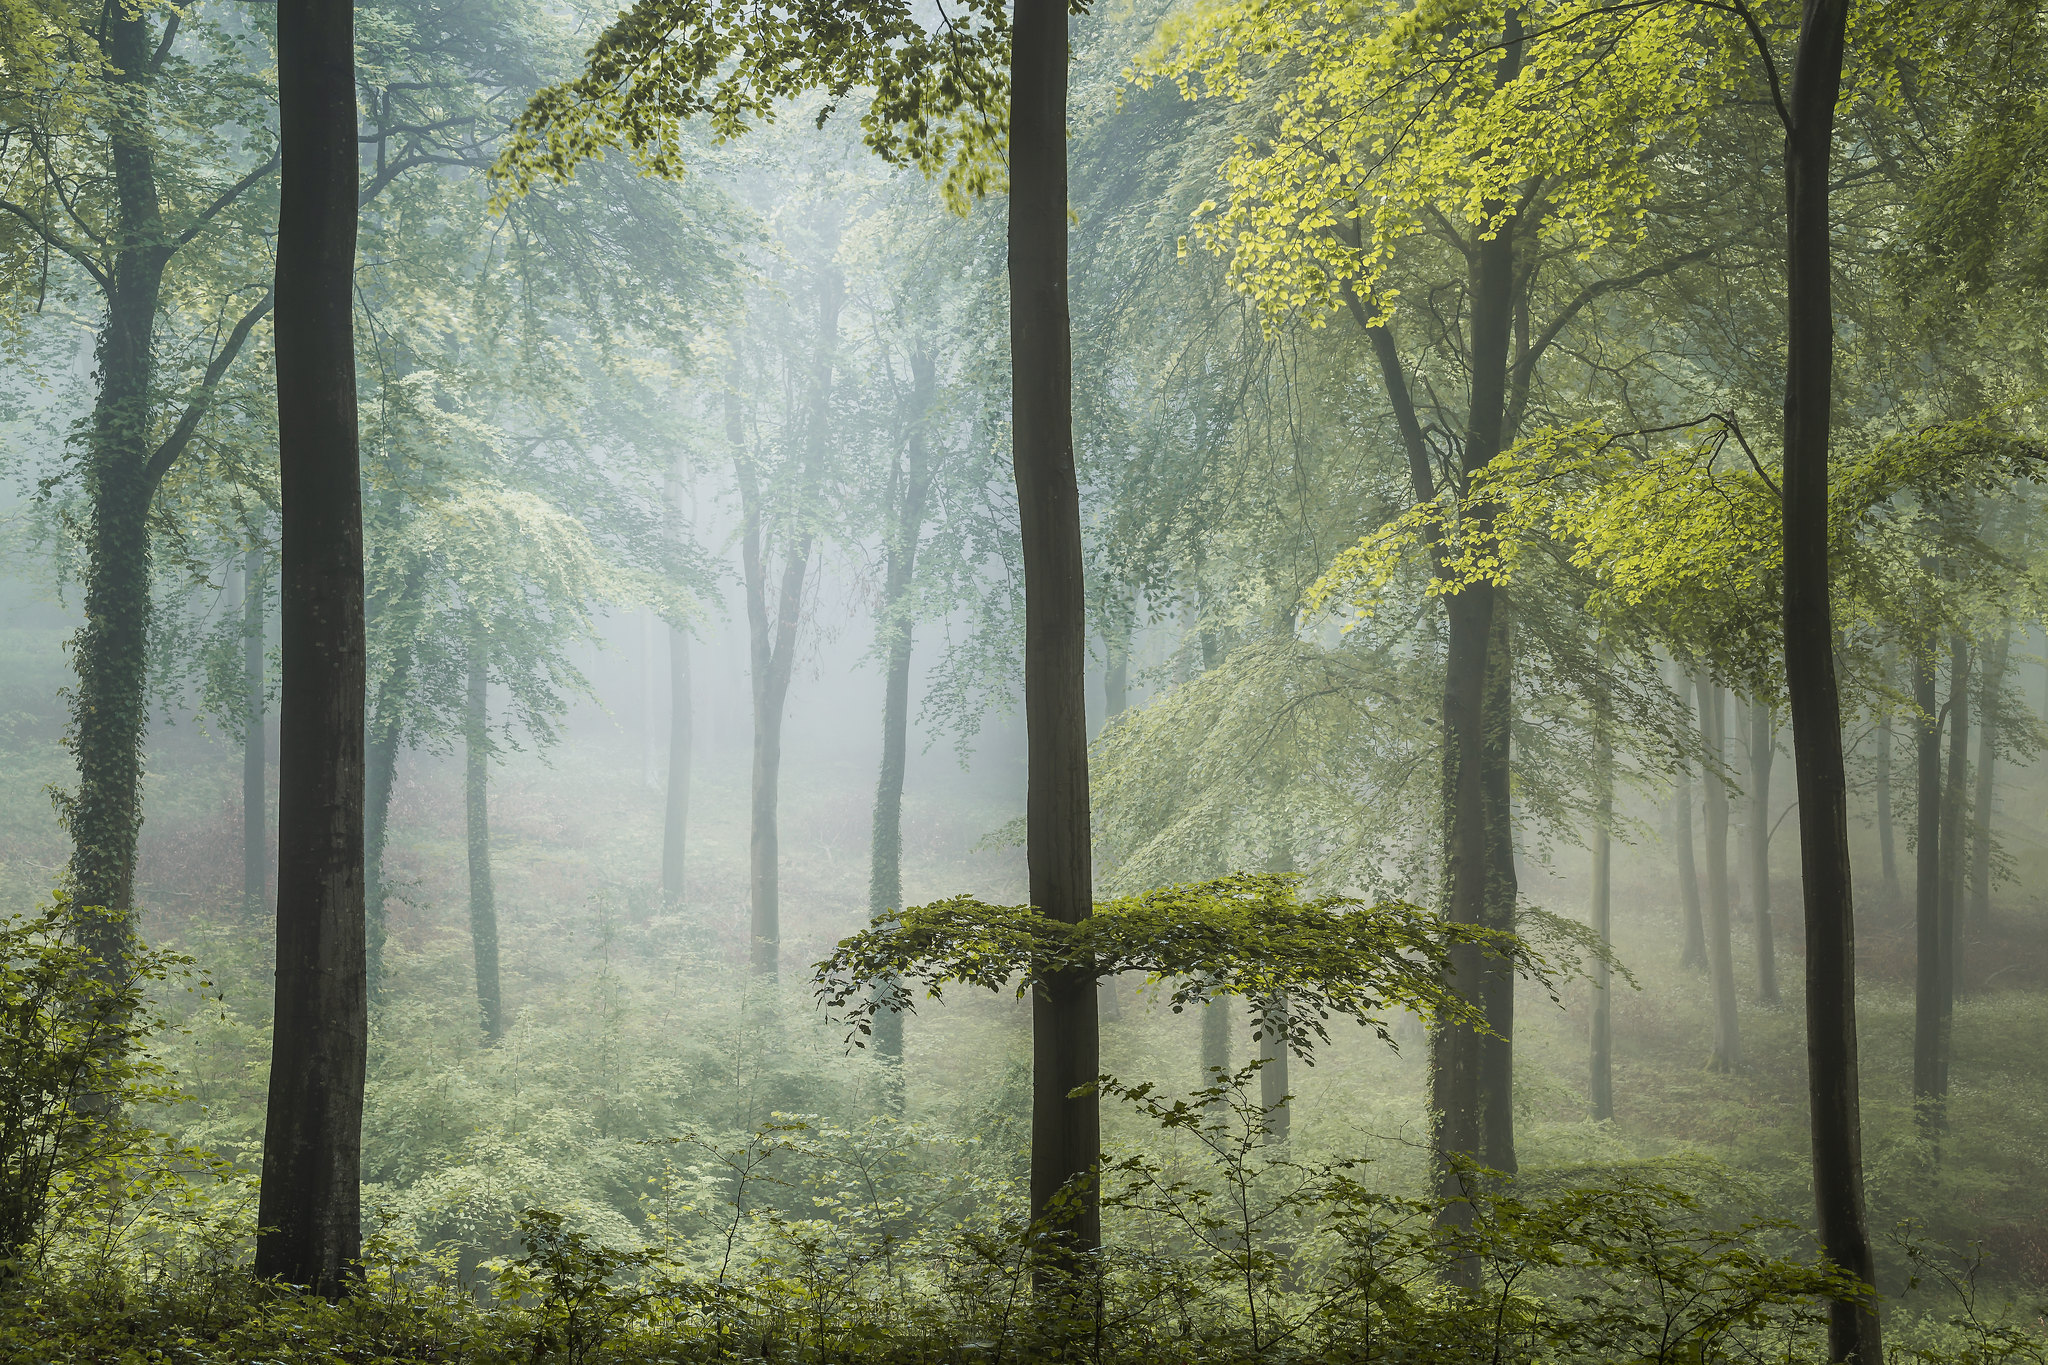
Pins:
<point x="308" y="1213"/>
<point x="1065" y="1129"/>
<point x="1814" y="700"/>
<point x="1982" y="804"/>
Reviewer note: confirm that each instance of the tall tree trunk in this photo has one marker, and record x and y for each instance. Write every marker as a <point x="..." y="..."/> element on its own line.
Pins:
<point x="912" y="483"/>
<point x="109" y="713"/>
<point x="773" y="637"/>
<point x="1763" y="753"/>
<point x="675" y="820"/>
<point x="1217" y="1022"/>
<point x="1954" y="816"/>
<point x="1888" y="891"/>
<point x="1496" y="1052"/>
<point x="308" y="1212"/>
<point x="1693" y="954"/>
<point x="255" y="757"/>
<point x="1727" y="1053"/>
<point x="1815" y="702"/>
<point x="1981" y="809"/>
<point x="1116" y="674"/>
<point x="1601" y="1042"/>
<point x="483" y="898"/>
<point x="1930" y="1083"/>
<point x="1065" y="1117"/>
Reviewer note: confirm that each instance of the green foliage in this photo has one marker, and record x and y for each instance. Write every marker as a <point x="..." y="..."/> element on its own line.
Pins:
<point x="1249" y="934"/>
<point x="71" y="1030"/>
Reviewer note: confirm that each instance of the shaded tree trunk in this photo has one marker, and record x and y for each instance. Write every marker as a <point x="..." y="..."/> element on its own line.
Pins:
<point x="1727" y="1053"/>
<point x="1954" y="817"/>
<point x="255" y="758"/>
<point x="1116" y="675"/>
<point x="1065" y="1129"/>
<point x="1930" y="1079"/>
<point x="1763" y="753"/>
<point x="1601" y="1042"/>
<point x="483" y="897"/>
<point x="308" y="1211"/>
<point x="1981" y="808"/>
<point x="1815" y="702"/>
<point x="912" y="484"/>
<point x="1217" y="1023"/>
<point x="1692" y="916"/>
<point x="1888" y="891"/>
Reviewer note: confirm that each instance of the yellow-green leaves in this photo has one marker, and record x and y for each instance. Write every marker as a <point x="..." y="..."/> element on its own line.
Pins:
<point x="1387" y="119"/>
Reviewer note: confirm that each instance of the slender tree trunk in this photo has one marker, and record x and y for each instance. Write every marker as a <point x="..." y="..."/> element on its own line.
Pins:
<point x="1065" y="1125"/>
<point x="885" y="851"/>
<point x="1763" y="753"/>
<point x="1116" y="675"/>
<point x="1274" y="1089"/>
<point x="308" y="1213"/>
<point x="1217" y="1023"/>
<point x="1497" y="1056"/>
<point x="1954" y="818"/>
<point x="483" y="898"/>
<point x="1981" y="809"/>
<point x="255" y="756"/>
<point x="676" y="813"/>
<point x="1694" y="923"/>
<point x="1727" y="1053"/>
<point x="1601" y="1088"/>
<point x="773" y="639"/>
<point x="1930" y="1083"/>
<point x="1888" y="892"/>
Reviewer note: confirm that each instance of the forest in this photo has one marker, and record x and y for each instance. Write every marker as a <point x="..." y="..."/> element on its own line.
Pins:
<point x="896" y="682"/>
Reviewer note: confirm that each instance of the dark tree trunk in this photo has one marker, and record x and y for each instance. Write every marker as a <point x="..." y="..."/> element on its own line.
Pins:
<point x="772" y="632"/>
<point x="885" y="850"/>
<point x="1954" y="817"/>
<point x="1888" y="891"/>
<point x="1815" y="702"/>
<point x="1930" y="1080"/>
<point x="1496" y="1053"/>
<point x="1065" y="1128"/>
<point x="675" y="820"/>
<point x="255" y="757"/>
<point x="1981" y="808"/>
<point x="483" y="897"/>
<point x="1727" y="1054"/>
<point x="1601" y="1088"/>
<point x="1465" y="1072"/>
<point x="109" y="713"/>
<point x="1763" y="752"/>
<point x="1693" y="923"/>
<point x="308" y="1211"/>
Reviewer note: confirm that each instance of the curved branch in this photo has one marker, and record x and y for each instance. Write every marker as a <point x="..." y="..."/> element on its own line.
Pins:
<point x="76" y="253"/>
<point x="181" y="435"/>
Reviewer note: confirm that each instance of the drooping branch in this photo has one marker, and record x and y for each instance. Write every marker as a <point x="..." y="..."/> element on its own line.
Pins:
<point x="195" y="411"/>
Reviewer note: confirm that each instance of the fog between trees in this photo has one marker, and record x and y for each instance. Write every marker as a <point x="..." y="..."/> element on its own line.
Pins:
<point x="833" y="682"/>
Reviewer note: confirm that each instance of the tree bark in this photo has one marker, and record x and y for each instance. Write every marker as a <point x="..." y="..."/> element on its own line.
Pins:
<point x="308" y="1213"/>
<point x="1815" y="702"/>
<point x="1763" y="753"/>
<point x="1693" y="954"/>
<point x="1065" y="1126"/>
<point x="1981" y="808"/>
<point x="885" y="850"/>
<point x="109" y="714"/>
<point x="483" y="896"/>
<point x="1601" y="1041"/>
<point x="1888" y="891"/>
<point x="1954" y="816"/>
<point x="1930" y="1081"/>
<point x="255" y="755"/>
<point x="1727" y="1053"/>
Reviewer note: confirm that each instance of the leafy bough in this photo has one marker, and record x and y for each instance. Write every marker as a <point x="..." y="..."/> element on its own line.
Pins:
<point x="1301" y="962"/>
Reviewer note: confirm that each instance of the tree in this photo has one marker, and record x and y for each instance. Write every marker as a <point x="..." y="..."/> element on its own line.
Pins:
<point x="483" y="901"/>
<point x="1763" y="750"/>
<point x="309" y="1213"/>
<point x="1727" y="1053"/>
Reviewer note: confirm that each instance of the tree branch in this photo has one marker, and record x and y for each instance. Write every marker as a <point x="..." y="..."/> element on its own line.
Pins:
<point x="42" y="230"/>
<point x="227" y="197"/>
<point x="181" y="436"/>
